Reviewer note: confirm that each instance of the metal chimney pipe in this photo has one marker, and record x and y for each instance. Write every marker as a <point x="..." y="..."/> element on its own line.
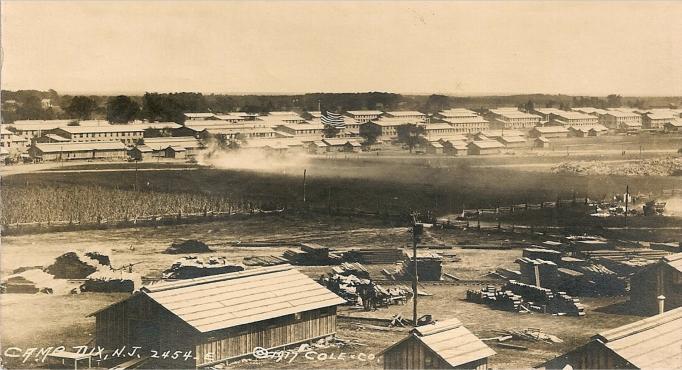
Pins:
<point x="661" y="304"/>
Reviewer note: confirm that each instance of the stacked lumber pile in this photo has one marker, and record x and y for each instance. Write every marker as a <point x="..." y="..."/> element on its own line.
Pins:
<point x="497" y="299"/>
<point x="77" y="265"/>
<point x="530" y="293"/>
<point x="626" y="261"/>
<point x="547" y="271"/>
<point x="542" y="254"/>
<point x="429" y="267"/>
<point x="110" y="281"/>
<point x="544" y="300"/>
<point x="190" y="267"/>
<point x="264" y="260"/>
<point x="353" y="268"/>
<point x="311" y="254"/>
<point x="375" y="256"/>
<point x="672" y="247"/>
<point x="602" y="281"/>
<point x="563" y="303"/>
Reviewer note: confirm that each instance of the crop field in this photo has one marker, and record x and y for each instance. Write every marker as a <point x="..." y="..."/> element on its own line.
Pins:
<point x="381" y="185"/>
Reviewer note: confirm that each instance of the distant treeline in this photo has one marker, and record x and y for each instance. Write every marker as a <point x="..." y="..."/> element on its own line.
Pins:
<point x="31" y="104"/>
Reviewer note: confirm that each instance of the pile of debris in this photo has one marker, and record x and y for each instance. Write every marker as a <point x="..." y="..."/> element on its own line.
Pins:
<point x="648" y="167"/>
<point x="77" y="265"/>
<point x="363" y="291"/>
<point x="190" y="267"/>
<point x="188" y="246"/>
<point x="312" y="254"/>
<point x="375" y="256"/>
<point x="92" y="270"/>
<point x="108" y="281"/>
<point x="265" y="260"/>
<point x="529" y="334"/>
<point x="33" y="281"/>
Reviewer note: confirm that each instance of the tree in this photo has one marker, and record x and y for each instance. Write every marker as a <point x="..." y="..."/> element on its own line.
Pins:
<point x="614" y="100"/>
<point x="530" y="106"/>
<point x="122" y="109"/>
<point x="81" y="107"/>
<point x="330" y="131"/>
<point x="370" y="132"/>
<point x="410" y="135"/>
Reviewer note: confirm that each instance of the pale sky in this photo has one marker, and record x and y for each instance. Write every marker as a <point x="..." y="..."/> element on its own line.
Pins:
<point x="459" y="48"/>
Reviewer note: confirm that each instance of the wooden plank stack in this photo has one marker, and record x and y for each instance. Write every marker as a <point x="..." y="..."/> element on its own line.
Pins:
<point x="375" y="255"/>
<point x="311" y="254"/>
<point x="265" y="260"/>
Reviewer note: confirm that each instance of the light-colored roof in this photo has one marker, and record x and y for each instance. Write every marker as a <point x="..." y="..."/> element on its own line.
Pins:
<point x="229" y="117"/>
<point x="551" y="129"/>
<point x="303" y="126"/>
<point x="674" y="261"/>
<point x="513" y="113"/>
<point x="100" y="129"/>
<point x="405" y="113"/>
<point x="438" y="126"/>
<point x="677" y="122"/>
<point x="144" y="148"/>
<point x="56" y="137"/>
<point x="660" y="115"/>
<point x="511" y="139"/>
<point x="573" y="115"/>
<point x="450" y="341"/>
<point x="339" y="141"/>
<point x="621" y="114"/>
<point x="487" y="144"/>
<point x="176" y="148"/>
<point x="161" y="143"/>
<point x="500" y="133"/>
<point x="79" y="147"/>
<point x="199" y="115"/>
<point x="156" y="125"/>
<point x="284" y="113"/>
<point x="465" y="120"/>
<point x="457" y="113"/>
<point x="651" y="343"/>
<point x="589" y="127"/>
<point x="229" y="300"/>
<point x="5" y="131"/>
<point x="364" y="112"/>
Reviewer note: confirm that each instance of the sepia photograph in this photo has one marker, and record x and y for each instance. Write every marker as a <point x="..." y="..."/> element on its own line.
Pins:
<point x="344" y="184"/>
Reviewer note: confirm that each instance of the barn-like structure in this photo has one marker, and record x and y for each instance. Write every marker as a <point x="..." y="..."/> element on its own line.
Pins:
<point x="444" y="345"/>
<point x="220" y="318"/>
<point x="663" y="278"/>
<point x="651" y="343"/>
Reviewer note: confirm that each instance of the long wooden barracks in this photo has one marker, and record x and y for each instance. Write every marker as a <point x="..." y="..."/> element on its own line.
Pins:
<point x="221" y="318"/>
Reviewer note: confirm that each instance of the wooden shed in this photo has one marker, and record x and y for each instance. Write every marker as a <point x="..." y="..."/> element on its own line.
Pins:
<point x="652" y="343"/>
<point x="662" y="278"/>
<point x="220" y="318"/>
<point x="444" y="345"/>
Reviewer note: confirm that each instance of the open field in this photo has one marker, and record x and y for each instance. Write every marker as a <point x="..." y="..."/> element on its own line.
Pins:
<point x="443" y="185"/>
<point x="64" y="316"/>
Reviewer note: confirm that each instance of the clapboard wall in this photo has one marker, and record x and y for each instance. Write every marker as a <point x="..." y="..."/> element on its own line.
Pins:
<point x="224" y="345"/>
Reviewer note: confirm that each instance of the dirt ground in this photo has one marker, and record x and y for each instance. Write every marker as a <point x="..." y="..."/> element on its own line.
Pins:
<point x="52" y="320"/>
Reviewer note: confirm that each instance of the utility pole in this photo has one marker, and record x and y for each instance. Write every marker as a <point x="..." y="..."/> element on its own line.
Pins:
<point x="417" y="230"/>
<point x="627" y="199"/>
<point x="135" y="186"/>
<point x="304" y="173"/>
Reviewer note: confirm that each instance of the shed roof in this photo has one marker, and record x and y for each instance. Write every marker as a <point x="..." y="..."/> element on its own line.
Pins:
<point x="450" y="341"/>
<point x="487" y="144"/>
<point x="655" y="342"/>
<point x="104" y="128"/>
<point x="228" y="300"/>
<point x="674" y="261"/>
<point x="161" y="143"/>
<point x="79" y="147"/>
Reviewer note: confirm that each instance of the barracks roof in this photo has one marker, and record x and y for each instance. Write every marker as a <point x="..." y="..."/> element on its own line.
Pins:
<point x="228" y="300"/>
